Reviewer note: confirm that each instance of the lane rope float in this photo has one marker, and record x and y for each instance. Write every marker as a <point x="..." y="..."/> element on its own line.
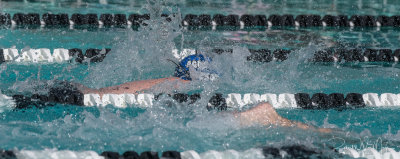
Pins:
<point x="44" y="55"/>
<point x="201" y="20"/>
<point x="254" y="153"/>
<point x="235" y="100"/>
<point x="60" y="55"/>
<point x="217" y="101"/>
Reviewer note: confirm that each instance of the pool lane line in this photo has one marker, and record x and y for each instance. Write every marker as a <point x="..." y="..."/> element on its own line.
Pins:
<point x="290" y="151"/>
<point x="71" y="96"/>
<point x="34" y="20"/>
<point x="94" y="55"/>
<point x="59" y="55"/>
<point x="235" y="100"/>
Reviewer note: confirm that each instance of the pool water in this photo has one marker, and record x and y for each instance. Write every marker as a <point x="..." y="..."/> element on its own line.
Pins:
<point x="168" y="125"/>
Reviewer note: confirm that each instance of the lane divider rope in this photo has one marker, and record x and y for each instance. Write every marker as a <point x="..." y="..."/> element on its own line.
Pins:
<point x="44" y="55"/>
<point x="202" y="20"/>
<point x="59" y="55"/>
<point x="218" y="101"/>
<point x="235" y="100"/>
<point x="254" y="153"/>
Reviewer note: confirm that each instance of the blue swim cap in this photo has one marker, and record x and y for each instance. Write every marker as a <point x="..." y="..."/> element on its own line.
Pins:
<point x="197" y="64"/>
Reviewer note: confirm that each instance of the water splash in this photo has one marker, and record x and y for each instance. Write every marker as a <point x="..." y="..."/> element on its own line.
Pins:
<point x="170" y="125"/>
<point x="6" y="103"/>
<point x="144" y="51"/>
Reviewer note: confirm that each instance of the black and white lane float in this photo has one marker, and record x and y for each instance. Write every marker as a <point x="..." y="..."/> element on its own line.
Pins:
<point x="295" y="151"/>
<point x="44" y="55"/>
<point x="217" y="101"/>
<point x="200" y="20"/>
<point x="235" y="100"/>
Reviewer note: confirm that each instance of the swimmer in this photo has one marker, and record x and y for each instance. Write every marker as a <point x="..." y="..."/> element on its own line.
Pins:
<point x="193" y="67"/>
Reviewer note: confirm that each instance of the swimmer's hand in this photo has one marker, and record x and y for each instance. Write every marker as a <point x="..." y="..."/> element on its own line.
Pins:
<point x="309" y="127"/>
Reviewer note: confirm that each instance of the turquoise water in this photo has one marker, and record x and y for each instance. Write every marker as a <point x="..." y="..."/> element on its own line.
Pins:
<point x="160" y="129"/>
<point x="172" y="126"/>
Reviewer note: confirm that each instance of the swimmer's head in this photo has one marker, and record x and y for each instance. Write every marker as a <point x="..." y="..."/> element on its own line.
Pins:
<point x="196" y="67"/>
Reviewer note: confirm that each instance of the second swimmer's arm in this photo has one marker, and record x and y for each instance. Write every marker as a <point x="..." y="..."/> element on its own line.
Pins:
<point x="265" y="114"/>
<point x="131" y="87"/>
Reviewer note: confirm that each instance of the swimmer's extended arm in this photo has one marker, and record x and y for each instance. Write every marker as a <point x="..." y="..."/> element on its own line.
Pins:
<point x="265" y="114"/>
<point x="130" y="87"/>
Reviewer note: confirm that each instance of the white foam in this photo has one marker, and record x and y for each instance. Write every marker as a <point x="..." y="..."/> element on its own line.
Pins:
<point x="182" y="54"/>
<point x="6" y="102"/>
